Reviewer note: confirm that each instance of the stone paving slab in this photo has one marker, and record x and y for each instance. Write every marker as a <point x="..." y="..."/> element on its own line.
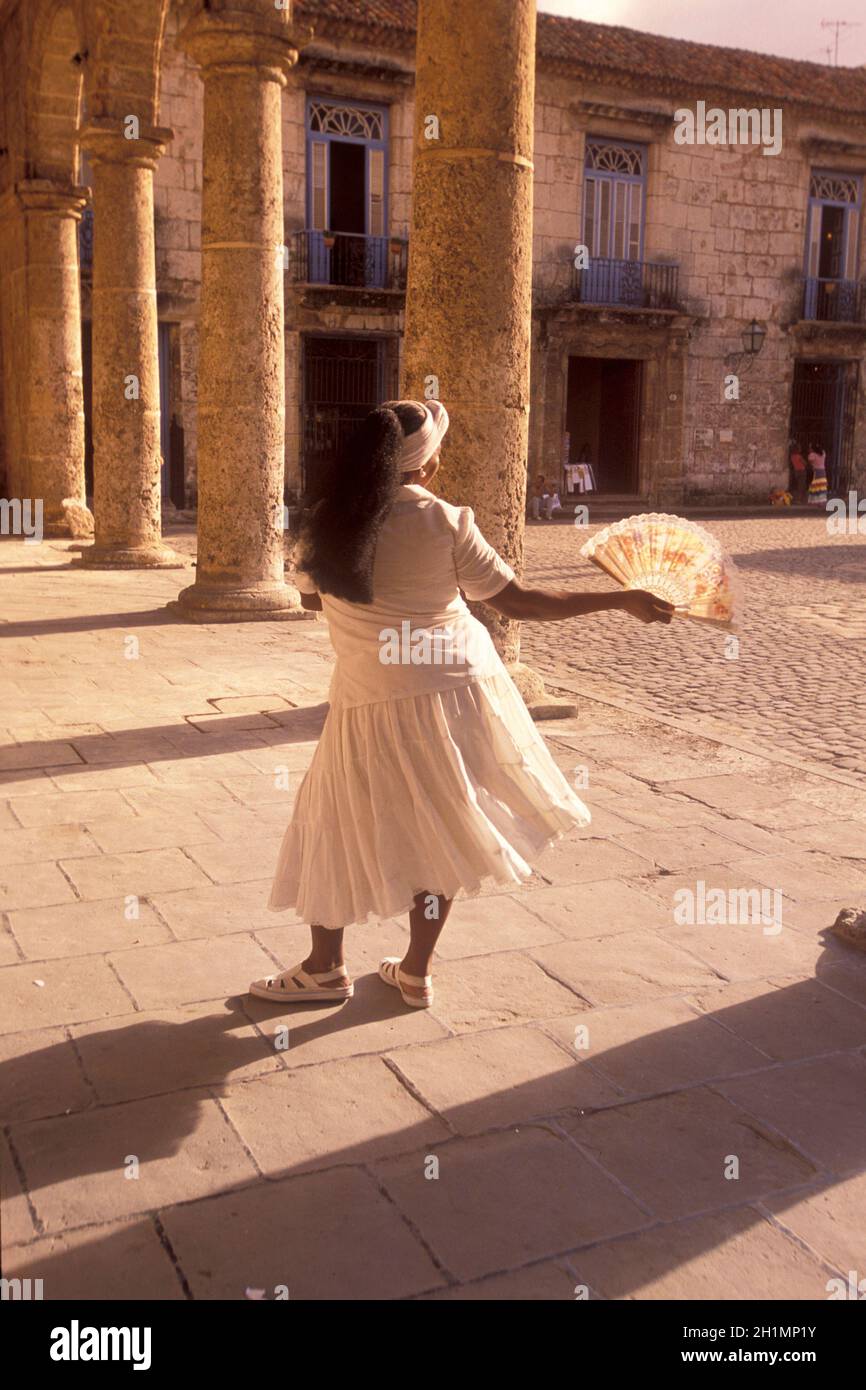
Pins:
<point x="46" y="993"/>
<point x="604" y="907"/>
<point x="185" y="971"/>
<point x="624" y="969"/>
<point x="86" y="928"/>
<point x="658" y="1045"/>
<point x="351" y="1110"/>
<point x="119" y="1261"/>
<point x="831" y="1221"/>
<point x="481" y="1081"/>
<point x="76" y="1165"/>
<point x="817" y="1103"/>
<point x="591" y="1058"/>
<point x="176" y="1049"/>
<point x="326" y="1235"/>
<point x="18" y="1224"/>
<point x="802" y="1018"/>
<point x="674" y="1152"/>
<point x="546" y="1281"/>
<point x="491" y="1208"/>
<point x="729" y="1255"/>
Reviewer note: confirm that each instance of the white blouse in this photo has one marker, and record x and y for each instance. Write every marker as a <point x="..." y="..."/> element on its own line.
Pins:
<point x="418" y="634"/>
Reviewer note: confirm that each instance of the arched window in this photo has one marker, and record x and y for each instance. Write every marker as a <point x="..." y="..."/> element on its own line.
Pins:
<point x="832" y="243"/>
<point x="346" y="122"/>
<point x="613" y="199"/>
<point x="347" y="191"/>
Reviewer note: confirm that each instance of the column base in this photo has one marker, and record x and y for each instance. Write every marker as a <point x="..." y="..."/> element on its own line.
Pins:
<point x="73" y="521"/>
<point x="528" y="682"/>
<point x="216" y="603"/>
<point x="133" y="557"/>
<point x="535" y="696"/>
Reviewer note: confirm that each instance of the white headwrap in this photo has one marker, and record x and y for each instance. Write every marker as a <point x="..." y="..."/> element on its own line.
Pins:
<point x="420" y="446"/>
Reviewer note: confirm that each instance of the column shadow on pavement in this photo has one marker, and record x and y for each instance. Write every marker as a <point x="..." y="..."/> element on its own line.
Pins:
<point x="797" y="1168"/>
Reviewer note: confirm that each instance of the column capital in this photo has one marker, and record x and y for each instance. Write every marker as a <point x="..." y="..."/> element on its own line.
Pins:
<point x="237" y="39"/>
<point x="105" y="138"/>
<point x="49" y="196"/>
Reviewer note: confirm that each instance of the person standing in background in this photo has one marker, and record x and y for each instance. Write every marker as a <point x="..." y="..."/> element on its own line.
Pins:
<point x="799" y="479"/>
<point x="818" y="484"/>
<point x="536" y="497"/>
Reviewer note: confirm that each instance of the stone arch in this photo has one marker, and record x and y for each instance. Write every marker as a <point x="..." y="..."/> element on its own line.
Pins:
<point x="123" y="69"/>
<point x="54" y="81"/>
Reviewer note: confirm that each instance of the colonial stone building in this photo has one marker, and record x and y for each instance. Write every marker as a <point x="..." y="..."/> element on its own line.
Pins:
<point x="698" y="300"/>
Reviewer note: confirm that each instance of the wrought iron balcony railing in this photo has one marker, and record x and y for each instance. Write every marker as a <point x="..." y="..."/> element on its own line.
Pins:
<point x="633" y="284"/>
<point x="834" y="301"/>
<point x="347" y="258"/>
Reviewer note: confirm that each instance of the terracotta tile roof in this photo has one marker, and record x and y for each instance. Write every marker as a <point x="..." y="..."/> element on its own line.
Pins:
<point x="387" y="14"/>
<point x="647" y="61"/>
<point x="678" y="63"/>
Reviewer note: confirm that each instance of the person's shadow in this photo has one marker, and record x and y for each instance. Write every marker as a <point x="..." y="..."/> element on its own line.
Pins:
<point x="812" y="1135"/>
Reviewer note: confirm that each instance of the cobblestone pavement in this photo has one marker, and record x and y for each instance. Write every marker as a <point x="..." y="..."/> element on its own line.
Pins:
<point x="799" y="679"/>
<point x="594" y="1056"/>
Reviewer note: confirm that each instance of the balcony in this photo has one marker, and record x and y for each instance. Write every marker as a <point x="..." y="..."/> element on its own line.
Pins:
<point x="629" y="284"/>
<point x="834" y="301"/>
<point x="348" y="260"/>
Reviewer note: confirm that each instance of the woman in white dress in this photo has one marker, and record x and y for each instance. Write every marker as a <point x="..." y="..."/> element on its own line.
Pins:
<point x="429" y="778"/>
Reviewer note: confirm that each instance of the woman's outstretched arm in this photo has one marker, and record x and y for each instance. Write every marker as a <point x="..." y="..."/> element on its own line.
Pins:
<point x="550" y="605"/>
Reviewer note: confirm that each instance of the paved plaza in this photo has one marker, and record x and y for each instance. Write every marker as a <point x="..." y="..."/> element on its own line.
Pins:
<point x="796" y="679"/>
<point x="611" y="1097"/>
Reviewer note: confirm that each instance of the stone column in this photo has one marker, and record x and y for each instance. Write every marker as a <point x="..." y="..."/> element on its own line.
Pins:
<point x="244" y="52"/>
<point x="126" y="447"/>
<point x="468" y="303"/>
<point x="53" y="455"/>
<point x="13" y="320"/>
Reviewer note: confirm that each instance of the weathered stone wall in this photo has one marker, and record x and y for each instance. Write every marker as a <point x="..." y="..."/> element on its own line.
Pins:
<point x="734" y="220"/>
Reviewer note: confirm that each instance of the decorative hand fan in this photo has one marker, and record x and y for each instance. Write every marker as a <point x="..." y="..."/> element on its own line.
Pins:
<point x="670" y="557"/>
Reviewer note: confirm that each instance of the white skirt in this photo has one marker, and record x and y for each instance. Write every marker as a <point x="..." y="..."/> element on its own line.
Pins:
<point x="445" y="792"/>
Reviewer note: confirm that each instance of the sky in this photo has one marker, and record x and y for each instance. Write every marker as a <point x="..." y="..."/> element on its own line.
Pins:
<point x="788" y="28"/>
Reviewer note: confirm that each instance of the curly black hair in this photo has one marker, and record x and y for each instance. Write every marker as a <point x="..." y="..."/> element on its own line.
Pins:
<point x="351" y="500"/>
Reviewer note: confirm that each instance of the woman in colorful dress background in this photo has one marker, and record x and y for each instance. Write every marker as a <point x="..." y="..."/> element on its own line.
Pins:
<point x="818" y="482"/>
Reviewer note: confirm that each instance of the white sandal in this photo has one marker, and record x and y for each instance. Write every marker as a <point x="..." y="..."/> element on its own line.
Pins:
<point x="391" y="973"/>
<point x="300" y="986"/>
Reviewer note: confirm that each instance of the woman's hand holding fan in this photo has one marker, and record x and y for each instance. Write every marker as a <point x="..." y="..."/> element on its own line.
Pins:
<point x="647" y="607"/>
<point x="671" y="558"/>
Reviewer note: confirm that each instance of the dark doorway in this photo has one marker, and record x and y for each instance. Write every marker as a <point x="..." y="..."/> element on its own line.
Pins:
<point x="823" y="408"/>
<point x="348" y="213"/>
<point x="603" y="418"/>
<point x="348" y="164"/>
<point x="832" y="243"/>
<point x="343" y="379"/>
